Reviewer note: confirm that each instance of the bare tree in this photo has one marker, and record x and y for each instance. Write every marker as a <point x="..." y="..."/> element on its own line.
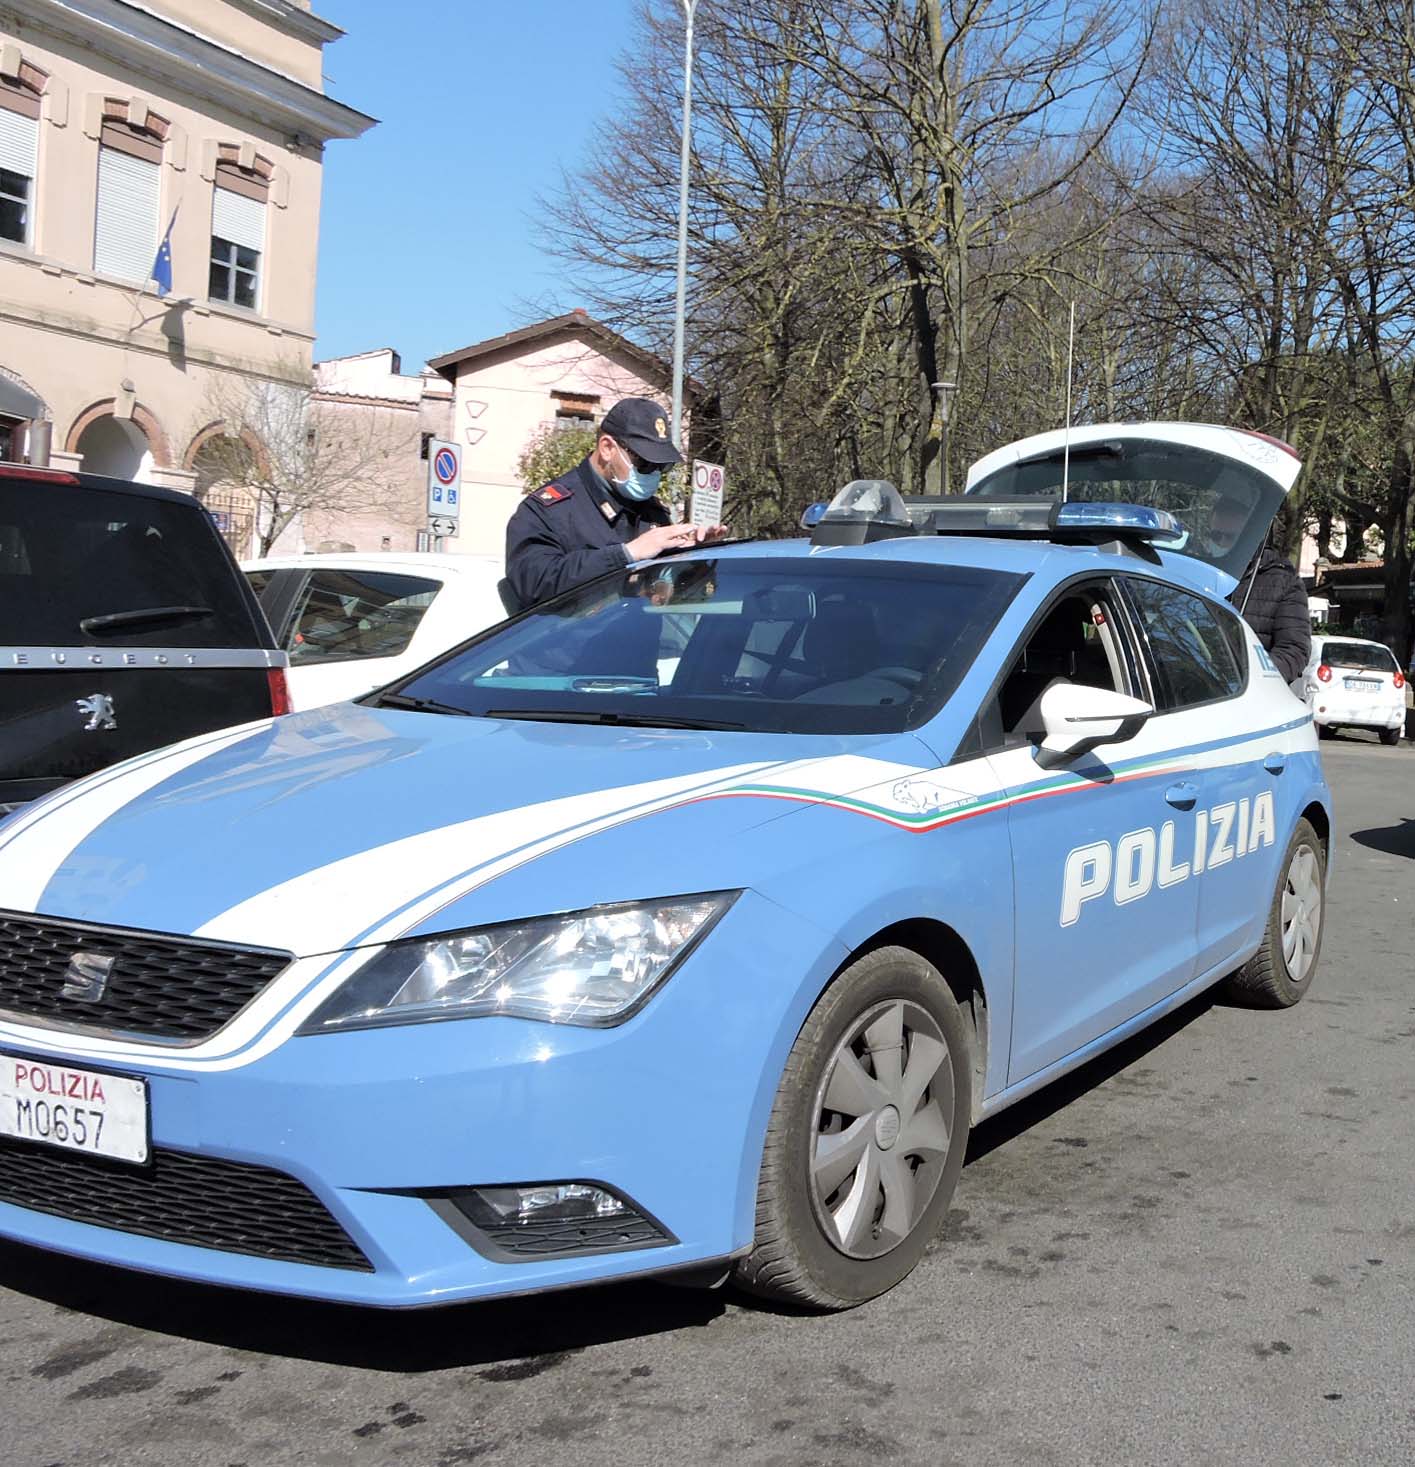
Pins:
<point x="292" y="451"/>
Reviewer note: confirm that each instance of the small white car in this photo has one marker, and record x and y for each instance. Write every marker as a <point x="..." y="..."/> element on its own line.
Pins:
<point x="1353" y="683"/>
<point x="353" y="622"/>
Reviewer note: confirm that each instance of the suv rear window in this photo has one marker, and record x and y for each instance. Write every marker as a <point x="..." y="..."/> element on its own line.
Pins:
<point x="75" y="561"/>
<point x="1364" y="655"/>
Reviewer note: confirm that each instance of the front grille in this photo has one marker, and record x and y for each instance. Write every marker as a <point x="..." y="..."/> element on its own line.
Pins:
<point x="180" y="1198"/>
<point x="174" y="988"/>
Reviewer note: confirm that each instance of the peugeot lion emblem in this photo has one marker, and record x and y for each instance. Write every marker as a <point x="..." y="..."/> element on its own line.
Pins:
<point x="86" y="977"/>
<point x="100" y="712"/>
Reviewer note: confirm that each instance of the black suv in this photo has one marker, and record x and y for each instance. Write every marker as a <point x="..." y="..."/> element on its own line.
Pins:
<point x="124" y="625"/>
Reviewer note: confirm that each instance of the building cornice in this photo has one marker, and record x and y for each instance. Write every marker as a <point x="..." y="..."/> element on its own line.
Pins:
<point x="292" y="18"/>
<point x="170" y="53"/>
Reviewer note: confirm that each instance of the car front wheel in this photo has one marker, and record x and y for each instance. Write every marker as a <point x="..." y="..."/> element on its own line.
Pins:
<point x="1279" y="974"/>
<point x="866" y="1137"/>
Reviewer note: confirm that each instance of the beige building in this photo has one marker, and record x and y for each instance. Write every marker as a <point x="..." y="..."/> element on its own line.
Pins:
<point x="386" y="418"/>
<point x="119" y="121"/>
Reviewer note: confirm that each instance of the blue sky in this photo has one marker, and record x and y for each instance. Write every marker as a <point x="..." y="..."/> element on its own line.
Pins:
<point x="426" y="239"/>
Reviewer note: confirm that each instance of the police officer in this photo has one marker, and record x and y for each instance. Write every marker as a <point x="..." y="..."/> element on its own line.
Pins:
<point x="603" y="513"/>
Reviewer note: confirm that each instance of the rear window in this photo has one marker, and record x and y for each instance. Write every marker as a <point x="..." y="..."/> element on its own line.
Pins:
<point x="86" y="567"/>
<point x="1367" y="656"/>
<point x="1223" y="505"/>
<point x="344" y="615"/>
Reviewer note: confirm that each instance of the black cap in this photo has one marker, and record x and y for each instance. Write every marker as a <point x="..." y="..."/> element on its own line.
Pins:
<point x="640" y="424"/>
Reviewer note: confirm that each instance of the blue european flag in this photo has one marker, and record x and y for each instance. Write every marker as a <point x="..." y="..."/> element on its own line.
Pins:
<point x="162" y="265"/>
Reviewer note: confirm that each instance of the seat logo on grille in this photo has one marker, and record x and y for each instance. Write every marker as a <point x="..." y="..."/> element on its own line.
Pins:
<point x="86" y="977"/>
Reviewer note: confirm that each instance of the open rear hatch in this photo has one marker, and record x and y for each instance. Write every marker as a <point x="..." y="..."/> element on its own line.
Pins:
<point x="1224" y="485"/>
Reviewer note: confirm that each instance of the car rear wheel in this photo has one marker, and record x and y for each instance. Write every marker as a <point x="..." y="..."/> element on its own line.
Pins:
<point x="866" y="1137"/>
<point x="1279" y="974"/>
<point x="1390" y="735"/>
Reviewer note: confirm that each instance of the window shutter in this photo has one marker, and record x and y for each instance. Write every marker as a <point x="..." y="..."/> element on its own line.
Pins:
<point x="238" y="219"/>
<point x="18" y="141"/>
<point x="125" y="242"/>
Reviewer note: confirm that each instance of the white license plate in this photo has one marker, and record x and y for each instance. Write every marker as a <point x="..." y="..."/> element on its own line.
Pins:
<point x="80" y="1110"/>
<point x="1361" y="685"/>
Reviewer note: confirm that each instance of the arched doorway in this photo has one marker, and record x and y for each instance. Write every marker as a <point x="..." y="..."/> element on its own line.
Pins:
<point x="116" y="446"/>
<point x="223" y="465"/>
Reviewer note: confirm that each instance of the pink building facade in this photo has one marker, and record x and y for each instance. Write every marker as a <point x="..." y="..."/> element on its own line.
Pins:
<point x="566" y="372"/>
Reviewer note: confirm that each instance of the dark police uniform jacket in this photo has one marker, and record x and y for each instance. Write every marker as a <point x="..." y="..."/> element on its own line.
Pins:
<point x="572" y="530"/>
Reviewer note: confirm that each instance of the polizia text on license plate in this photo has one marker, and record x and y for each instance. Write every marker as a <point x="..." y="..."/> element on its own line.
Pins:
<point x="79" y="1110"/>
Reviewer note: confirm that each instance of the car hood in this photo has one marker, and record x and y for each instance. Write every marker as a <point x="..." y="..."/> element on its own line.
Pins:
<point x="347" y="824"/>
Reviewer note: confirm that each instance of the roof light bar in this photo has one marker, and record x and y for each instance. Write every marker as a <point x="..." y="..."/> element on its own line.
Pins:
<point x="869" y="510"/>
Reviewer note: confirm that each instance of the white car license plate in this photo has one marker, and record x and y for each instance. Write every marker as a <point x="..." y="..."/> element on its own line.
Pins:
<point x="1361" y="685"/>
<point x="80" y="1110"/>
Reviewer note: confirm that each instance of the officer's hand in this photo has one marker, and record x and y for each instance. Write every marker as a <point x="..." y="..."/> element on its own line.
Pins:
<point x="660" y="538"/>
<point x="710" y="534"/>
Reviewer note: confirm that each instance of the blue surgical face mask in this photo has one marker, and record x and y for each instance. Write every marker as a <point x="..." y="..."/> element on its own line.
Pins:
<point x="637" y="486"/>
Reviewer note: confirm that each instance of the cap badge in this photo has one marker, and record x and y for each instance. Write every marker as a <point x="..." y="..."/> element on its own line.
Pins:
<point x="660" y="427"/>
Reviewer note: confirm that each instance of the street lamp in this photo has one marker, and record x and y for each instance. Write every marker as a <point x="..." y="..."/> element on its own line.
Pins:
<point x="689" y="7"/>
<point x="943" y="389"/>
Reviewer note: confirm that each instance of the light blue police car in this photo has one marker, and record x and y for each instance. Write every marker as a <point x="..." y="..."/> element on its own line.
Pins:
<point x="684" y="924"/>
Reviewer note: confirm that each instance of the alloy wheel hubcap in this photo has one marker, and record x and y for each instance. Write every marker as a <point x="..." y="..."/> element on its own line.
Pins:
<point x="884" y="1122"/>
<point x="1301" y="917"/>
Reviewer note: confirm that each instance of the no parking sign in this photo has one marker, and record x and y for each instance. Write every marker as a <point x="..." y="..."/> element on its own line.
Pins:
<point x="444" y="482"/>
<point x="708" y="482"/>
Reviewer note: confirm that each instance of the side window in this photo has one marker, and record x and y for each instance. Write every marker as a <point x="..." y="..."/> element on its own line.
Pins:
<point x="343" y="615"/>
<point x="1077" y="641"/>
<point x="238" y="212"/>
<point x="129" y="182"/>
<point x="1233" y="630"/>
<point x="19" y="147"/>
<point x="1191" y="645"/>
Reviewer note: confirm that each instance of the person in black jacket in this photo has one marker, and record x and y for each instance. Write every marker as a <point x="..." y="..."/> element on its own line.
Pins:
<point x="603" y="513"/>
<point x="1269" y="595"/>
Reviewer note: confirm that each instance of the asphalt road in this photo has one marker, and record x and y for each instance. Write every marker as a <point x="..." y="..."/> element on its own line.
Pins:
<point x="1201" y="1249"/>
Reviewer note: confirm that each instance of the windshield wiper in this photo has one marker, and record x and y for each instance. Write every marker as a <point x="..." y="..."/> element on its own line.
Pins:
<point x="117" y="619"/>
<point x="624" y="720"/>
<point x="419" y="705"/>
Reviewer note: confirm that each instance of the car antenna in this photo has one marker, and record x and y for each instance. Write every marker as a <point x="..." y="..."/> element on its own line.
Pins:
<point x="1066" y="441"/>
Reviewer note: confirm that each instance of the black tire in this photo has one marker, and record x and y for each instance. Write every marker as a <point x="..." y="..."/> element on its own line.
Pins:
<point x="799" y="1256"/>
<point x="1265" y="980"/>
<point x="1325" y="731"/>
<point x="1390" y="736"/>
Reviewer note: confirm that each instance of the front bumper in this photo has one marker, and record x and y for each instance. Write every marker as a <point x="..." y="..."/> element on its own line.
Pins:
<point x="668" y="1109"/>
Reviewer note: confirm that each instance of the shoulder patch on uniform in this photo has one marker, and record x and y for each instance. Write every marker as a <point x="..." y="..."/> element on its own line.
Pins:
<point x="553" y="493"/>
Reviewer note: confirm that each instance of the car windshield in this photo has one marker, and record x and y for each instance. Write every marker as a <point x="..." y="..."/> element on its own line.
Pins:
<point x="785" y="644"/>
<point x="1368" y="656"/>
<point x="1224" y="506"/>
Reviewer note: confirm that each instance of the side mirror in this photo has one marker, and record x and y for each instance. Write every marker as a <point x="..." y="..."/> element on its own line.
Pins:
<point x="1078" y="719"/>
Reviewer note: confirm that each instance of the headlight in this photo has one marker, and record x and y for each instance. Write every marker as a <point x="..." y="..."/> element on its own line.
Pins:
<point x="593" y="968"/>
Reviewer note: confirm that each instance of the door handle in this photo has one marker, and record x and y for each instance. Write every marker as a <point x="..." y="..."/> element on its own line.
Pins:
<point x="1275" y="763"/>
<point x="1182" y="795"/>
